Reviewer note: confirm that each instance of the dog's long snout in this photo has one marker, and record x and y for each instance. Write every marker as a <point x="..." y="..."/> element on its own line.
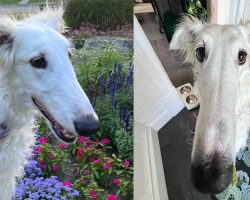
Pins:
<point x="87" y="125"/>
<point x="212" y="175"/>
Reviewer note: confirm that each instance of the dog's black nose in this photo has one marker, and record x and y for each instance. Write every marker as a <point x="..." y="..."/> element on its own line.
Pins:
<point x="87" y="125"/>
<point x="212" y="175"/>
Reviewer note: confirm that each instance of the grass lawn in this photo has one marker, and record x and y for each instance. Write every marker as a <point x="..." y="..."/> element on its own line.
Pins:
<point x="6" y="2"/>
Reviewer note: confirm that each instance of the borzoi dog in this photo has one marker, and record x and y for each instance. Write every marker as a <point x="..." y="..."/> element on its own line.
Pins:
<point x="220" y="58"/>
<point x="36" y="74"/>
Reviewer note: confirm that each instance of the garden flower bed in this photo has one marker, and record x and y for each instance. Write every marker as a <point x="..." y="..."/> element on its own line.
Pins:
<point x="101" y="166"/>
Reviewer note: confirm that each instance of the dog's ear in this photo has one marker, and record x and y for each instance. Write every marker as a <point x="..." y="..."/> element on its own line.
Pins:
<point x="7" y="25"/>
<point x="184" y="36"/>
<point x="52" y="17"/>
<point x="185" y="33"/>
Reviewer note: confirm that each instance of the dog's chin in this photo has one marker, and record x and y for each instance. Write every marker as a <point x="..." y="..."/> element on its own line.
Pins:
<point x="58" y="130"/>
<point x="62" y="135"/>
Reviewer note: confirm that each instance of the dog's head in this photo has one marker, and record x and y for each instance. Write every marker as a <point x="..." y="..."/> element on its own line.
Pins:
<point x="220" y="58"/>
<point x="34" y="57"/>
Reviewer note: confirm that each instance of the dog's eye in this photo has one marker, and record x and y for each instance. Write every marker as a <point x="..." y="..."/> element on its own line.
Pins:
<point x="38" y="62"/>
<point x="200" y="53"/>
<point x="242" y="56"/>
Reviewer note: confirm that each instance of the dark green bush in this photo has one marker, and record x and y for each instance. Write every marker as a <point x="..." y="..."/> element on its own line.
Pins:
<point x="105" y="13"/>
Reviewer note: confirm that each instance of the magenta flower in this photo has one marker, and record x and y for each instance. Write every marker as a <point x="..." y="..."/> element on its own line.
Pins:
<point x="55" y="167"/>
<point x="84" y="180"/>
<point x="62" y="146"/>
<point x="82" y="139"/>
<point x="105" y="141"/>
<point x="116" y="181"/>
<point x="38" y="150"/>
<point x="97" y="161"/>
<point x="50" y="155"/>
<point x="126" y="163"/>
<point x="42" y="164"/>
<point x="108" y="165"/>
<point x="67" y="183"/>
<point x="91" y="192"/>
<point x="87" y="171"/>
<point x="111" y="197"/>
<point x="91" y="159"/>
<point x="96" y="143"/>
<point x="42" y="140"/>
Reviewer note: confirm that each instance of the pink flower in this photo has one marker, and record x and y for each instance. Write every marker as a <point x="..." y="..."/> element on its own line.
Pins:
<point x="91" y="192"/>
<point x="42" y="140"/>
<point x="42" y="164"/>
<point x="91" y="159"/>
<point x="126" y="163"/>
<point x="79" y="152"/>
<point x="84" y="180"/>
<point x="116" y="181"/>
<point x="62" y="145"/>
<point x="107" y="160"/>
<point x="59" y="156"/>
<point x="95" y="143"/>
<point x="97" y="161"/>
<point x="55" y="167"/>
<point x="88" y="142"/>
<point x="105" y="141"/>
<point x="82" y="139"/>
<point x="67" y="183"/>
<point x="87" y="171"/>
<point x="107" y="166"/>
<point x="111" y="197"/>
<point x="50" y="155"/>
<point x="38" y="150"/>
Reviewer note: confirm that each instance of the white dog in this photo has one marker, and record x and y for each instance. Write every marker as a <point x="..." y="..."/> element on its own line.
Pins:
<point x="36" y="74"/>
<point x="220" y="56"/>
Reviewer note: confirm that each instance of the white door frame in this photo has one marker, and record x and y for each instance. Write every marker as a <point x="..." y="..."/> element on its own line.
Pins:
<point x="156" y="102"/>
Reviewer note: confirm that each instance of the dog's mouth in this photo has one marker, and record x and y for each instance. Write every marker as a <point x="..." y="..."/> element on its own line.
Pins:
<point x="56" y="127"/>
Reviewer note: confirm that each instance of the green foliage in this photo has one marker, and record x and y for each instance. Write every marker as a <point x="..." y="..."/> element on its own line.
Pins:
<point x="196" y="9"/>
<point x="94" y="63"/>
<point x="105" y="13"/>
<point x="79" y="41"/>
<point x="112" y="127"/>
<point x="124" y="142"/>
<point x="42" y="127"/>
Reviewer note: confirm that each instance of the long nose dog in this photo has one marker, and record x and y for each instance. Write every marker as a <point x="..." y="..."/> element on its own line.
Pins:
<point x="220" y="58"/>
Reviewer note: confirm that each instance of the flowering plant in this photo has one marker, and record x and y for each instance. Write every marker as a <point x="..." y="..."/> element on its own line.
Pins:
<point x="51" y="158"/>
<point x="100" y="170"/>
<point x="34" y="186"/>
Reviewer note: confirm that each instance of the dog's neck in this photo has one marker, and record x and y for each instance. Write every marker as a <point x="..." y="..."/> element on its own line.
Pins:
<point x="14" y="114"/>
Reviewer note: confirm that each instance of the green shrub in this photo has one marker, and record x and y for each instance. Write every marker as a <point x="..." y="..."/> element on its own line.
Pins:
<point x="107" y="14"/>
<point x="94" y="63"/>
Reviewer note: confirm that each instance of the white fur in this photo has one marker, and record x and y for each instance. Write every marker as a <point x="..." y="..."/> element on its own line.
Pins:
<point x="222" y="85"/>
<point x="56" y="86"/>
